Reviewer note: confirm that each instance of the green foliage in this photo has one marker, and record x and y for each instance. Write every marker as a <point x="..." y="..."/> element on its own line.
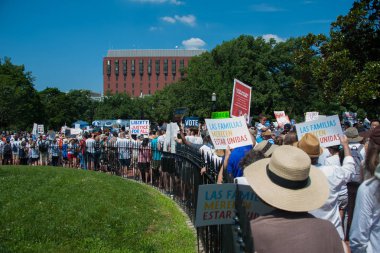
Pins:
<point x="46" y="209"/>
<point x="20" y="105"/>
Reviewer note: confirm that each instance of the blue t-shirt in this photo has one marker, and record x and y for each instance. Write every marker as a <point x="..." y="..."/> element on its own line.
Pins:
<point x="156" y="152"/>
<point x="236" y="156"/>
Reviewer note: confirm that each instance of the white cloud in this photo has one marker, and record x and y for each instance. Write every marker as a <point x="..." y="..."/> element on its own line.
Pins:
<point x="193" y="43"/>
<point x="168" y="19"/>
<point x="175" y="2"/>
<point x="188" y="19"/>
<point x="267" y="37"/>
<point x="155" y="28"/>
<point x="265" y="8"/>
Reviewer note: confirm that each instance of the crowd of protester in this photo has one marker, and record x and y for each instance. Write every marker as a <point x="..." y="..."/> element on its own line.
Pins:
<point x="312" y="189"/>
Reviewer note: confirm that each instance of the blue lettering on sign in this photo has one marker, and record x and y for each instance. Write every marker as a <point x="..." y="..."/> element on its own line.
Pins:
<point x="135" y="131"/>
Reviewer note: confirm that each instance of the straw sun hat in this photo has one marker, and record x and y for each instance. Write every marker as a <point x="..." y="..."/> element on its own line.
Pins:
<point x="266" y="147"/>
<point x="288" y="181"/>
<point x="310" y="144"/>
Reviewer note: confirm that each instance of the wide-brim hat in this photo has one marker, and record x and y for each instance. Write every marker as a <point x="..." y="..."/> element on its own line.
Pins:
<point x="265" y="147"/>
<point x="267" y="133"/>
<point x="353" y="135"/>
<point x="288" y="181"/>
<point x="310" y="144"/>
<point x="219" y="152"/>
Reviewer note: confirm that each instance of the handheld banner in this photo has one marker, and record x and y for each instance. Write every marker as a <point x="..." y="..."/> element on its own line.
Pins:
<point x="191" y="122"/>
<point x="232" y="132"/>
<point x="216" y="204"/>
<point x="310" y="116"/>
<point x="241" y="99"/>
<point x="327" y="129"/>
<point x="139" y="126"/>
<point x="281" y="118"/>
<point x="40" y="129"/>
<point x="350" y="117"/>
<point x="220" y="115"/>
<point x="34" y="131"/>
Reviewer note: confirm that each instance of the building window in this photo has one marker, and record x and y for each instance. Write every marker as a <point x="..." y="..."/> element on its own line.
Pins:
<point x="116" y="67"/>
<point x="157" y="68"/>
<point x="125" y="85"/>
<point x="166" y="66"/>
<point x="117" y="78"/>
<point x="166" y="77"/>
<point x="133" y="92"/>
<point x="174" y="67"/>
<point x="108" y="85"/>
<point x="133" y="68"/>
<point x="140" y="85"/>
<point x="141" y="78"/>
<point x="108" y="77"/>
<point x="117" y="86"/>
<point x="149" y="78"/>
<point x="108" y="67"/>
<point x="157" y="85"/>
<point x="141" y="67"/>
<point x="149" y="85"/>
<point x="133" y="85"/>
<point x="149" y="67"/>
<point x="124" y="68"/>
<point x="149" y="92"/>
<point x="173" y="77"/>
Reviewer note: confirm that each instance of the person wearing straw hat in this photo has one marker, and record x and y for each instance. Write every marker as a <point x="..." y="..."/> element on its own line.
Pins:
<point x="288" y="182"/>
<point x="365" y="229"/>
<point x="338" y="177"/>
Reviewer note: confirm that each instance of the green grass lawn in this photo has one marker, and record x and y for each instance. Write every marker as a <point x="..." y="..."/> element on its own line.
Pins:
<point x="47" y="209"/>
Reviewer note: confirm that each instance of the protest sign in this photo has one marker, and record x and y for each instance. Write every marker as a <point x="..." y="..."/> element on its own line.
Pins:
<point x="281" y="118"/>
<point x="139" y="126"/>
<point x="220" y="115"/>
<point x="310" y="116"/>
<point x="191" y="122"/>
<point x="216" y="204"/>
<point x="34" y="131"/>
<point x="40" y="129"/>
<point x="350" y="117"/>
<point x="241" y="99"/>
<point x="327" y="129"/>
<point x="231" y="132"/>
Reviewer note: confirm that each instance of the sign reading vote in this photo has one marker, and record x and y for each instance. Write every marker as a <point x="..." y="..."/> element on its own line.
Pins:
<point x="139" y="126"/>
<point x="191" y="122"/>
<point x="231" y="132"/>
<point x="216" y="203"/>
<point x="327" y="129"/>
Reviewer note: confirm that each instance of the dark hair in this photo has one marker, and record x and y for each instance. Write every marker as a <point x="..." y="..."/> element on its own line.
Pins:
<point x="145" y="142"/>
<point x="290" y="138"/>
<point x="251" y="157"/>
<point x="372" y="158"/>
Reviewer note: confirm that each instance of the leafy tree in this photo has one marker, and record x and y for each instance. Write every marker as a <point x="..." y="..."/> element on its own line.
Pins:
<point x="20" y="104"/>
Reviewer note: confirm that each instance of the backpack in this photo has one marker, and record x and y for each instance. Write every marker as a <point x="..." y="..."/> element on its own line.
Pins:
<point x="358" y="158"/>
<point x="43" y="146"/>
<point x="14" y="148"/>
<point x="97" y="147"/>
<point x="7" y="149"/>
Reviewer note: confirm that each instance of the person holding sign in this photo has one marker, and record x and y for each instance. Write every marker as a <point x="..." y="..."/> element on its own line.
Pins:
<point x="338" y="177"/>
<point x="288" y="182"/>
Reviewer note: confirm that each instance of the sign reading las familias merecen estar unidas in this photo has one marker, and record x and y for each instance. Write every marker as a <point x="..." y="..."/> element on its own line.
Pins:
<point x="216" y="204"/>
<point x="327" y="129"/>
<point x="232" y="132"/>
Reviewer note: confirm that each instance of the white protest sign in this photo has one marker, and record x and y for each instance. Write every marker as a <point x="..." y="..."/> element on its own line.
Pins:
<point x="139" y="126"/>
<point x="310" y="116"/>
<point x="34" y="131"/>
<point x="327" y="129"/>
<point x="216" y="204"/>
<point x="40" y="129"/>
<point x="77" y="126"/>
<point x="231" y="132"/>
<point x="281" y="118"/>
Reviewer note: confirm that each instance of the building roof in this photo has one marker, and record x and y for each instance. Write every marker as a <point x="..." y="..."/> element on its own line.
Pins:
<point x="154" y="53"/>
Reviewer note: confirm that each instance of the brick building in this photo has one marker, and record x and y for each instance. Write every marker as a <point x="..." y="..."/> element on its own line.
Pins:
<point x="142" y="72"/>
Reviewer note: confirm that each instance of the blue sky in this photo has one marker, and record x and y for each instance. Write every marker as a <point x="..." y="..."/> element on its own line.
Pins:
<point x="63" y="42"/>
